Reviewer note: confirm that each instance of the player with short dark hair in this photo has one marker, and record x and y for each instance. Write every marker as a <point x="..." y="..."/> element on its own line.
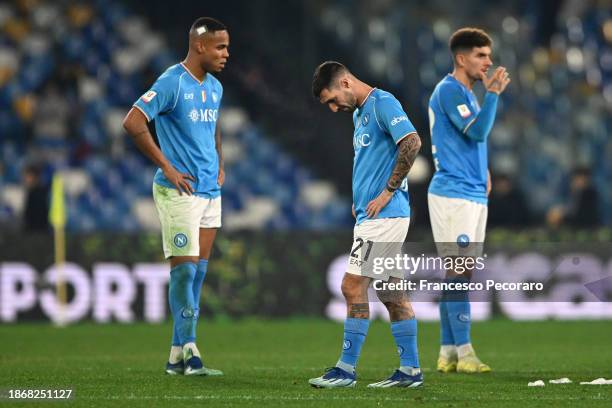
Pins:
<point x="385" y="145"/>
<point x="459" y="188"/>
<point x="185" y="101"/>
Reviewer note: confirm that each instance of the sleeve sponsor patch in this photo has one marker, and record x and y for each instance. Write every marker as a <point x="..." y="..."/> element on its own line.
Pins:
<point x="398" y="119"/>
<point x="148" y="97"/>
<point x="464" y="111"/>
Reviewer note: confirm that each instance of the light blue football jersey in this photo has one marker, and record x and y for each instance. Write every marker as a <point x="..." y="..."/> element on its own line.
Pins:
<point x="461" y="163"/>
<point x="380" y="123"/>
<point x="186" y="112"/>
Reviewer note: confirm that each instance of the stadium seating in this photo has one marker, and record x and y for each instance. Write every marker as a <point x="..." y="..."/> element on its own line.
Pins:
<point x="83" y="75"/>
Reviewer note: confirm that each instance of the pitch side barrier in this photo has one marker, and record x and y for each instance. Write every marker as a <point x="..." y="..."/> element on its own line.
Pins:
<point x="123" y="278"/>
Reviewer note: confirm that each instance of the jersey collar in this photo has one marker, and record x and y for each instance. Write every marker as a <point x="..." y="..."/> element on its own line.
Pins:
<point x="193" y="76"/>
<point x="366" y="98"/>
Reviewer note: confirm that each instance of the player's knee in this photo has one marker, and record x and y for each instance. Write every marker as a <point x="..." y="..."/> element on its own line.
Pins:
<point x="351" y="290"/>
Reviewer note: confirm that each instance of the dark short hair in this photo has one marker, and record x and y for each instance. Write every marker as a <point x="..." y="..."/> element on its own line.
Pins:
<point x="209" y="24"/>
<point x="325" y="74"/>
<point x="467" y="38"/>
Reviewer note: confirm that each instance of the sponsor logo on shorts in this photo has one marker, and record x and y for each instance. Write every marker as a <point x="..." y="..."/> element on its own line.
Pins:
<point x="366" y="119"/>
<point x="148" y="97"/>
<point x="346" y="345"/>
<point x="180" y="240"/>
<point x="463" y="240"/>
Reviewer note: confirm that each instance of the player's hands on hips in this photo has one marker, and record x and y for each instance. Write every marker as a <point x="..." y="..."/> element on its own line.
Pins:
<point x="497" y="82"/>
<point x="221" y="177"/>
<point x="376" y="205"/>
<point x="179" y="180"/>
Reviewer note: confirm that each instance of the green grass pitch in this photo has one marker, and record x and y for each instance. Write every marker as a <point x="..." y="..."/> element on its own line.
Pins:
<point x="268" y="363"/>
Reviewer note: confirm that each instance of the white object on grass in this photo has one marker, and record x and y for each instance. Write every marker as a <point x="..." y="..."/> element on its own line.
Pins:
<point x="563" y="380"/>
<point x="538" y="383"/>
<point x="599" y="381"/>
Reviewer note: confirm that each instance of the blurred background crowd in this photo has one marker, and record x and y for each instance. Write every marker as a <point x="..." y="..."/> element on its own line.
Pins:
<point x="70" y="70"/>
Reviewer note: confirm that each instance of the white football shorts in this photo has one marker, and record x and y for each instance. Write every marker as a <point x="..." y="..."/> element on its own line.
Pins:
<point x="458" y="225"/>
<point x="374" y="241"/>
<point x="181" y="217"/>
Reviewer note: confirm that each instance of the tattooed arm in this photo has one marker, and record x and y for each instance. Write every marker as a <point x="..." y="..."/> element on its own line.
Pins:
<point x="408" y="149"/>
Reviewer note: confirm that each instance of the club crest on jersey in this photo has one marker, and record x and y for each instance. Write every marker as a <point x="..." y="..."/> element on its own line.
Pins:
<point x="203" y="96"/>
<point x="464" y="111"/>
<point x="366" y="119"/>
<point x="148" y="97"/>
<point x="214" y="96"/>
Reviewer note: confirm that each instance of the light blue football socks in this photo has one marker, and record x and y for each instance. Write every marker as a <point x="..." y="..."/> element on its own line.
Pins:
<point x="355" y="332"/>
<point x="458" y="313"/>
<point x="182" y="304"/>
<point x="446" y="332"/>
<point x="405" y="335"/>
<point x="198" y="281"/>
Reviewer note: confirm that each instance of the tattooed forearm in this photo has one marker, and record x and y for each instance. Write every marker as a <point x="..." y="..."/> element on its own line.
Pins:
<point x="408" y="150"/>
<point x="359" y="310"/>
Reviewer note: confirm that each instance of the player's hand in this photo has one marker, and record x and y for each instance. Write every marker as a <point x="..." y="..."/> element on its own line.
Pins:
<point x="489" y="183"/>
<point x="353" y="211"/>
<point x="497" y="82"/>
<point x="376" y="205"/>
<point x="179" y="180"/>
<point x="221" y="177"/>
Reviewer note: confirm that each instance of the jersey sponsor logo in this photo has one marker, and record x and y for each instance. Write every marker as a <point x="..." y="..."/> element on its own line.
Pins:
<point x="180" y="240"/>
<point x="204" y="115"/>
<point x="362" y="140"/>
<point x="148" y="97"/>
<point x="398" y="119"/>
<point x="366" y="119"/>
<point x="189" y="96"/>
<point x="464" y="111"/>
<point x="214" y="96"/>
<point x="203" y="96"/>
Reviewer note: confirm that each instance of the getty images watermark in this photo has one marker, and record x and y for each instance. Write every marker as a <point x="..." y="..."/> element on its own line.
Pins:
<point x="402" y="266"/>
